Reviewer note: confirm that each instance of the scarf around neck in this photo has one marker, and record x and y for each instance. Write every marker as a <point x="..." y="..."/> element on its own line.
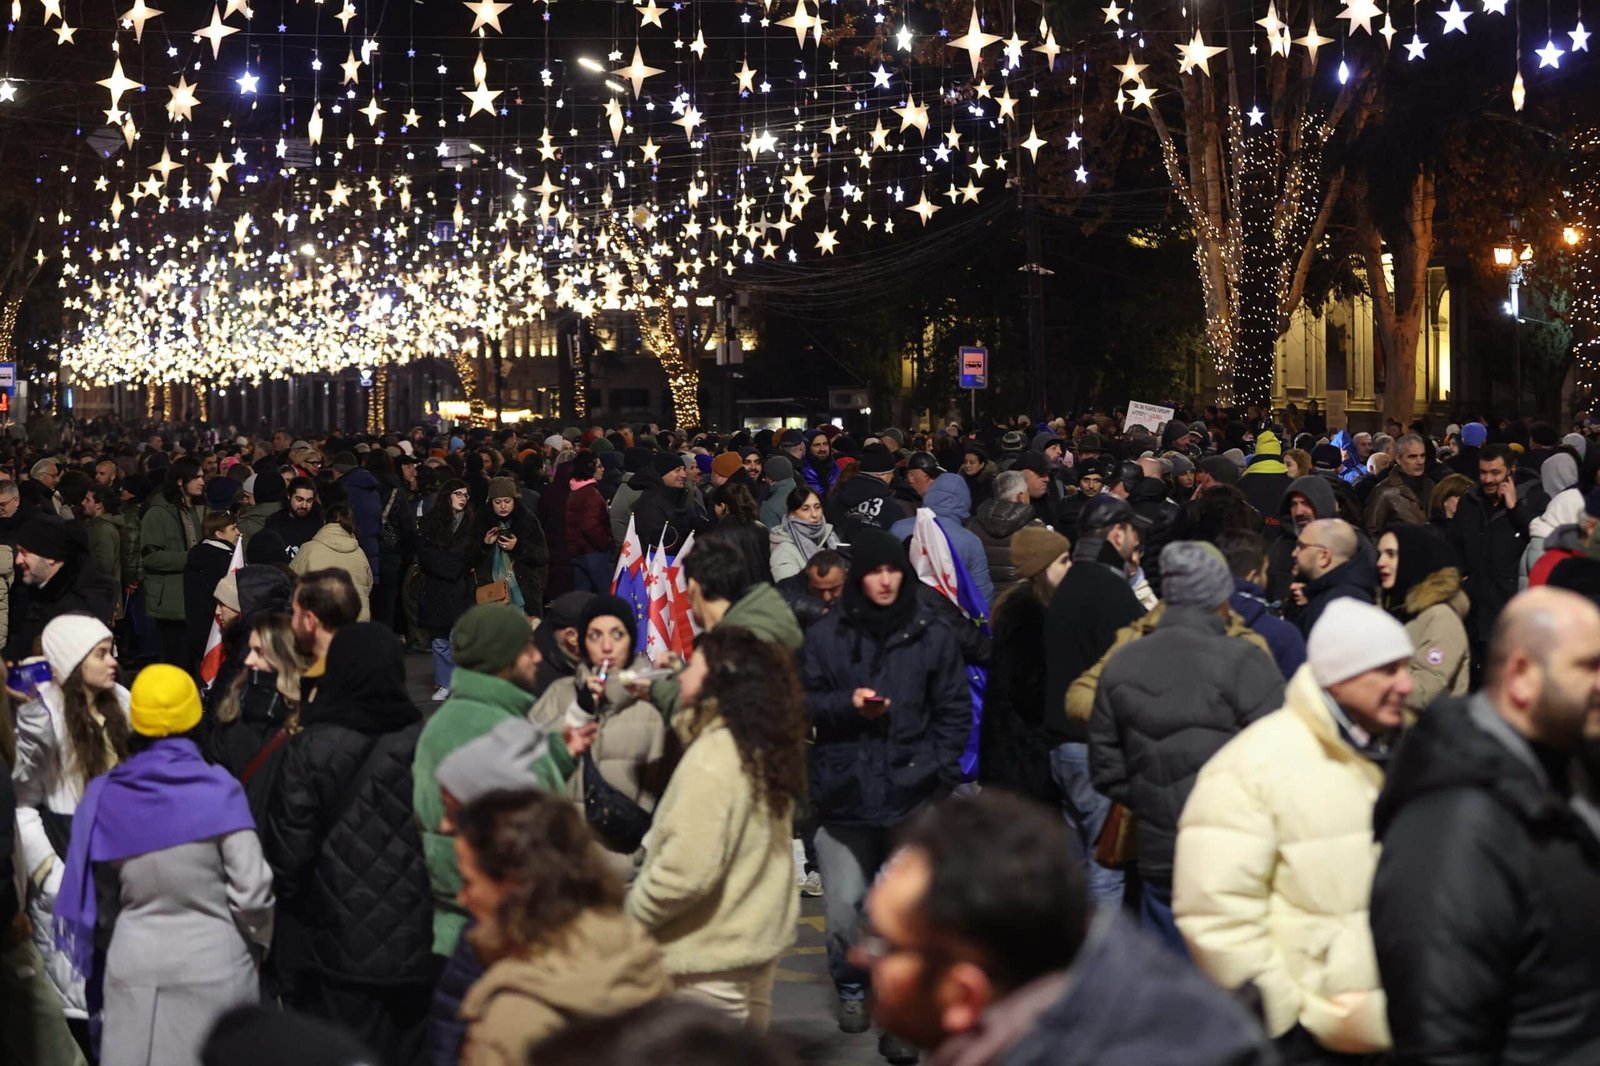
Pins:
<point x="164" y="796"/>
<point x="809" y="537"/>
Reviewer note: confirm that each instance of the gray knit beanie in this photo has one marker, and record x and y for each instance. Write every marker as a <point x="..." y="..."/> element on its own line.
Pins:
<point x="499" y="760"/>
<point x="1194" y="574"/>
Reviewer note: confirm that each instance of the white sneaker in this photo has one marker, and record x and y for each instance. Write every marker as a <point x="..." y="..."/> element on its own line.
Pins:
<point x="812" y="884"/>
<point x="441" y="694"/>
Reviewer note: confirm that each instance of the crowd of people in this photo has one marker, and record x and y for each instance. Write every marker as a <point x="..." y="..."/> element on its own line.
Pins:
<point x="1225" y="741"/>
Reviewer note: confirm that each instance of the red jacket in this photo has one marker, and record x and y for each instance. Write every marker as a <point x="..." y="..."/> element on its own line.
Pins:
<point x="588" y="522"/>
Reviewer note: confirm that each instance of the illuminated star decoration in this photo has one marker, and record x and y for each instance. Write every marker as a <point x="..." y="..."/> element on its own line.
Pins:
<point x="181" y="107"/>
<point x="1455" y="19"/>
<point x="650" y="15"/>
<point x="913" y="114"/>
<point x="372" y="111"/>
<point x="247" y="82"/>
<point x="64" y="34"/>
<point x="827" y="239"/>
<point x="1580" y="38"/>
<point x="880" y="77"/>
<point x="1197" y="54"/>
<point x="1034" y="142"/>
<point x="485" y="13"/>
<point x="1388" y="31"/>
<point x="690" y="120"/>
<point x="924" y="208"/>
<point x="1416" y="48"/>
<point x="8" y="90"/>
<point x="746" y="75"/>
<point x="1360" y="13"/>
<point x="215" y="32"/>
<point x="1112" y="12"/>
<point x="974" y="41"/>
<point x="636" y="72"/>
<point x="1130" y="70"/>
<point x="1050" y="49"/>
<point x="118" y="83"/>
<point x="1494" y="7"/>
<point x="1549" y="55"/>
<point x="1313" y="41"/>
<point x="802" y="21"/>
<point x="1255" y="114"/>
<point x="138" y="14"/>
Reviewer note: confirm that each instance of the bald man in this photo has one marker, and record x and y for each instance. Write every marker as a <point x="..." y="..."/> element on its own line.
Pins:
<point x="1486" y="903"/>
<point x="1327" y="566"/>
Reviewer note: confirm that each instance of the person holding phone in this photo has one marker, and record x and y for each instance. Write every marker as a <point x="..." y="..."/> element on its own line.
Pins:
<point x="886" y="696"/>
<point x="70" y="730"/>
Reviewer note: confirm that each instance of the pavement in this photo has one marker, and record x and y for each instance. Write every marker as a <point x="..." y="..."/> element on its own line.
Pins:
<point x="803" y="1001"/>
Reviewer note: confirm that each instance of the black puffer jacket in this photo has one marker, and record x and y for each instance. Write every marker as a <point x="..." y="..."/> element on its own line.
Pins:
<point x="1486" y="903"/>
<point x="1354" y="578"/>
<point x="1013" y="749"/>
<point x="864" y="500"/>
<point x="877" y="771"/>
<point x="343" y="842"/>
<point x="996" y="522"/>
<point x="664" y="515"/>
<point x="1165" y="704"/>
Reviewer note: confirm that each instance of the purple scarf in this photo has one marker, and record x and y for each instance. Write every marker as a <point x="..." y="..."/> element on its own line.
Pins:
<point x="162" y="797"/>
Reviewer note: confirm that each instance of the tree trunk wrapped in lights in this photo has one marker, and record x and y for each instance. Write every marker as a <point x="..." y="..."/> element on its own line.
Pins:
<point x="1584" y="314"/>
<point x="1261" y="200"/>
<point x="671" y="340"/>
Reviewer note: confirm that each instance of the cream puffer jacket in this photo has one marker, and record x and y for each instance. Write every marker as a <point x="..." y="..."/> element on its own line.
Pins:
<point x="1273" y="874"/>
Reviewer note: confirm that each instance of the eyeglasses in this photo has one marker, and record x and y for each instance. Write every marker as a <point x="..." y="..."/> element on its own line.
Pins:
<point x="1306" y="544"/>
<point x="460" y="492"/>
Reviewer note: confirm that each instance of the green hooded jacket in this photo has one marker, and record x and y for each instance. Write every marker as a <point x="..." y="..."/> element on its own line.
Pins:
<point x="478" y="702"/>
<point x="764" y="612"/>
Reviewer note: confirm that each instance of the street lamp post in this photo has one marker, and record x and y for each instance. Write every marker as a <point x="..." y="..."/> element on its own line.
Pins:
<point x="1508" y="258"/>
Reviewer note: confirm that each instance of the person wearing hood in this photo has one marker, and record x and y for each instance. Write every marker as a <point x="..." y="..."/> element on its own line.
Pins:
<point x="1166" y="703"/>
<point x="1465" y="461"/>
<point x="1404" y="495"/>
<point x="1274" y="860"/>
<point x="996" y="525"/>
<point x="666" y="514"/>
<point x="1246" y="553"/>
<point x="1421" y="586"/>
<point x="209" y="561"/>
<point x="887" y="697"/>
<point x="166" y="901"/>
<point x="1265" y="477"/>
<point x="335" y="547"/>
<point x="1328" y="565"/>
<point x="1486" y="900"/>
<point x="1306" y="500"/>
<point x="778" y="473"/>
<point x="550" y="927"/>
<point x="1566" y="541"/>
<point x="946" y="496"/>
<point x="340" y="834"/>
<point x="1562" y="513"/>
<point x="1352" y="464"/>
<point x="800" y="535"/>
<point x="868" y="498"/>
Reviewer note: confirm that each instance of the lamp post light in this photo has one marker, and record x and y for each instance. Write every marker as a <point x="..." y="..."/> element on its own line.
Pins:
<point x="1506" y="257"/>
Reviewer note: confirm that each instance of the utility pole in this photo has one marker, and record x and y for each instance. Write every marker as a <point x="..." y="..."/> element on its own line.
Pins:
<point x="1035" y="269"/>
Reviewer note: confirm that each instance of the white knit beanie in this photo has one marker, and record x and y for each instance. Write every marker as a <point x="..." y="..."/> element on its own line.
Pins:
<point x="68" y="640"/>
<point x="1353" y="637"/>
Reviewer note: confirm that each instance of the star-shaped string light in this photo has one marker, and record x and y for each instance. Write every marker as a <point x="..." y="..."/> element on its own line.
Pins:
<point x="1196" y="53"/>
<point x="181" y="105"/>
<point x="924" y="208"/>
<point x="215" y="32"/>
<point x="974" y="41"/>
<point x="1580" y="38"/>
<point x="1455" y="19"/>
<point x="637" y="71"/>
<point x="1550" y="55"/>
<point x="650" y="14"/>
<point x="486" y="13"/>
<point x="1360" y="13"/>
<point x="118" y="83"/>
<point x="802" y="22"/>
<point x="139" y="14"/>
<point x="912" y="115"/>
<point x="1034" y="142"/>
<point x="746" y="76"/>
<point x="1313" y="41"/>
<point x="1416" y="48"/>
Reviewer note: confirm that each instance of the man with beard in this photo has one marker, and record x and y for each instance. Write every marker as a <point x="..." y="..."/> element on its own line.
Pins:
<point x="1490" y="533"/>
<point x="1306" y="500"/>
<point x="818" y="469"/>
<point x="1328" y="566"/>
<point x="300" y="519"/>
<point x="54" y="576"/>
<point x="325" y="601"/>
<point x="1486" y="903"/>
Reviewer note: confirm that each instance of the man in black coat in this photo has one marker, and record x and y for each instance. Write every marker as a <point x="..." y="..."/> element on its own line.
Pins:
<point x="1328" y="564"/>
<point x="665" y="514"/>
<point x="866" y="499"/>
<point x="54" y="576"/>
<point x="1486" y="902"/>
<point x="1490" y="534"/>
<point x="1092" y="602"/>
<point x="887" y="698"/>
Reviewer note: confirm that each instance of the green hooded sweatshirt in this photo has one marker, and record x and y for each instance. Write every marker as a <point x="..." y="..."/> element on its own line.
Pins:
<point x="765" y="613"/>
<point x="478" y="702"/>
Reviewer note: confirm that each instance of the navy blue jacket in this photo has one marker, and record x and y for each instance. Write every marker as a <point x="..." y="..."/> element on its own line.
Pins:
<point x="1129" y="1000"/>
<point x="366" y="504"/>
<point x="1288" y="646"/>
<point x="877" y="771"/>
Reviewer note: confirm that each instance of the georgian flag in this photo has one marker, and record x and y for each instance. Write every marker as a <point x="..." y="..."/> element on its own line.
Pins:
<point x="681" y="619"/>
<point x="658" y="621"/>
<point x="628" y="582"/>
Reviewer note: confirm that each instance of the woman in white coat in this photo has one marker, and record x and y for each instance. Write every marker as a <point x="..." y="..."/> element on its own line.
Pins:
<point x="72" y="731"/>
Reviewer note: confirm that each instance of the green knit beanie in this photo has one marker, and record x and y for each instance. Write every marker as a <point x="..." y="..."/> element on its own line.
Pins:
<point x="489" y="637"/>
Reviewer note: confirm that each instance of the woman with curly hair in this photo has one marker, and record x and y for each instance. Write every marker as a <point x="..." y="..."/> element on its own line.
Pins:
<point x="717" y="887"/>
<point x="550" y="927"/>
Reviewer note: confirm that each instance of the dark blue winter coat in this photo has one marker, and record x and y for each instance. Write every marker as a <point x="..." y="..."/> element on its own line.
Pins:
<point x="877" y="771"/>
<point x="366" y="503"/>
<point x="1129" y="1000"/>
<point x="1288" y="646"/>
